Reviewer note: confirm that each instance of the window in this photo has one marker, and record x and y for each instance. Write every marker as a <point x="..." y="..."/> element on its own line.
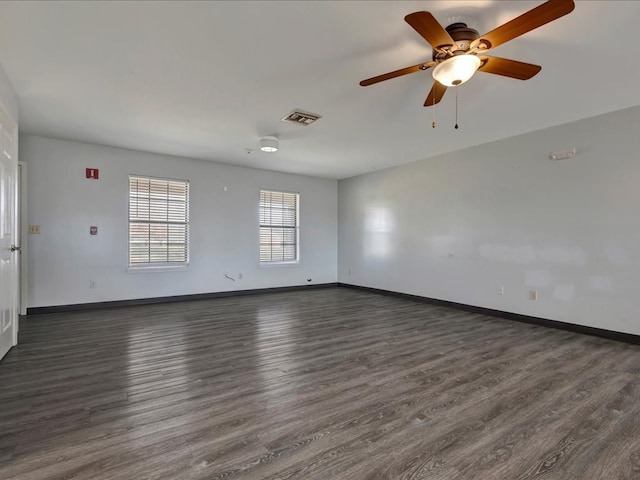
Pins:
<point x="278" y="227"/>
<point x="158" y="222"/>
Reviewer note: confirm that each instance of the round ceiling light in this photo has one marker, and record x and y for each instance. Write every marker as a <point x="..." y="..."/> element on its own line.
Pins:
<point x="456" y="70"/>
<point x="269" y="144"/>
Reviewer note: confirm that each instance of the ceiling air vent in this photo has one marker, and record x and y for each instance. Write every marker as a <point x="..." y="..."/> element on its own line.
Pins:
<point x="301" y="118"/>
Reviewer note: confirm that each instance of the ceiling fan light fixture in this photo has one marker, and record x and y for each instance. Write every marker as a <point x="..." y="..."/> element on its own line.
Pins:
<point x="269" y="144"/>
<point x="456" y="70"/>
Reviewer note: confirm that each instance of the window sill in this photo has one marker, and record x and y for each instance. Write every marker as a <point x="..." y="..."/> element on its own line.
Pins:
<point x="158" y="269"/>
<point x="279" y="264"/>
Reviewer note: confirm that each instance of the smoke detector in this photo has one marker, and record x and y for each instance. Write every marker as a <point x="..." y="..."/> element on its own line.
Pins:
<point x="563" y="154"/>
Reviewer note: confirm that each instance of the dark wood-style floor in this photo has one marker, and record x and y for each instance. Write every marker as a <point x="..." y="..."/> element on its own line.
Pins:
<point x="320" y="384"/>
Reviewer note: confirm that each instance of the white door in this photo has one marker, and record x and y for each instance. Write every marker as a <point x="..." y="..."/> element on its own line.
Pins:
<point x="9" y="273"/>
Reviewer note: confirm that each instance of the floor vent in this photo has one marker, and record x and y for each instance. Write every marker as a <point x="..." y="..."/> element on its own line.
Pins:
<point x="301" y="118"/>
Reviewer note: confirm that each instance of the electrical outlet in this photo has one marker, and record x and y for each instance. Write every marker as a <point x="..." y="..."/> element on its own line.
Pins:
<point x="500" y="290"/>
<point x="34" y="229"/>
<point x="92" y="284"/>
<point x="240" y="276"/>
<point x="533" y="294"/>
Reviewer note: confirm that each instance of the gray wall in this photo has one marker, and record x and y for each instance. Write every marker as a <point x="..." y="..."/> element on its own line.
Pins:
<point x="64" y="258"/>
<point x="458" y="226"/>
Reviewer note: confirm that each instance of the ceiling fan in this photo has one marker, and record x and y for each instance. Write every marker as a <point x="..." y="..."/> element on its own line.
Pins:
<point x="458" y="50"/>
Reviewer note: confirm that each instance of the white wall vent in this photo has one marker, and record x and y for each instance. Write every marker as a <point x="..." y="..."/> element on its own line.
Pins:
<point x="301" y="118"/>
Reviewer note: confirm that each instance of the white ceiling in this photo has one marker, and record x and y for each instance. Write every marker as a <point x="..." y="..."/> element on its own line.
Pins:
<point x="207" y="79"/>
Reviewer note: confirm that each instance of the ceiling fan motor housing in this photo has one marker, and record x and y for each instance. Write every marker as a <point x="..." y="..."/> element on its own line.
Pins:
<point x="462" y="35"/>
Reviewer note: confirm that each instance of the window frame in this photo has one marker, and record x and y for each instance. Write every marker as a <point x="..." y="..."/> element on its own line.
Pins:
<point x="157" y="265"/>
<point x="279" y="263"/>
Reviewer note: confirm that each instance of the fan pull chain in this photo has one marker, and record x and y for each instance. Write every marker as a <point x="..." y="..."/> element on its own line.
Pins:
<point x="456" y="127"/>
<point x="433" y="114"/>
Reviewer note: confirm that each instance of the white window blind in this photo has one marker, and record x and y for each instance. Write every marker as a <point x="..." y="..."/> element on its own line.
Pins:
<point x="279" y="226"/>
<point x="158" y="221"/>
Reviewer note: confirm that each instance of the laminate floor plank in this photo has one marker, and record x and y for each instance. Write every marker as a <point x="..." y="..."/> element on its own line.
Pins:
<point x="320" y="384"/>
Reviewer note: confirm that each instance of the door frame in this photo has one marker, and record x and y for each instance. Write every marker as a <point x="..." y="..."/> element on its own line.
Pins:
<point x="23" y="229"/>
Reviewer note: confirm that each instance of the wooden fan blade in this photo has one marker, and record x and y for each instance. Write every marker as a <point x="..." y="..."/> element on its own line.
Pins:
<point x="541" y="15"/>
<point x="436" y="94"/>
<point x="396" y="73"/>
<point x="426" y="25"/>
<point x="508" y="68"/>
